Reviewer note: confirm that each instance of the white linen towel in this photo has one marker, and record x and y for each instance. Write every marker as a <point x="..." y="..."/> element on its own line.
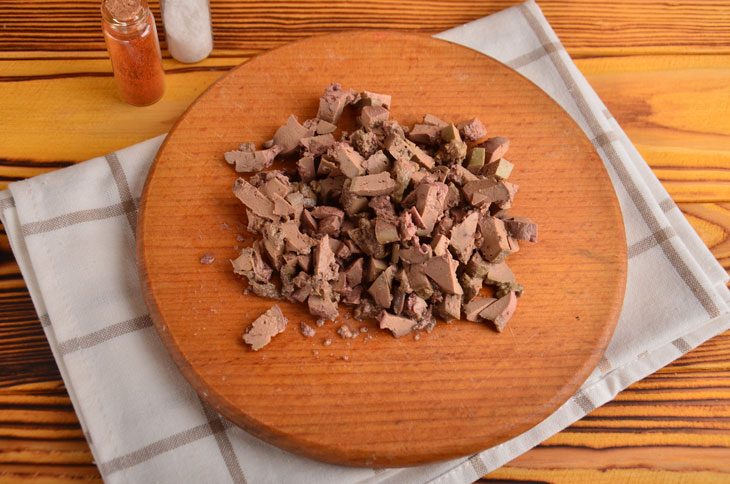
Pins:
<point x="72" y="233"/>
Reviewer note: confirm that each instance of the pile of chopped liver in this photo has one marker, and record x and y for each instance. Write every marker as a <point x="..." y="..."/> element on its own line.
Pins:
<point x="402" y="224"/>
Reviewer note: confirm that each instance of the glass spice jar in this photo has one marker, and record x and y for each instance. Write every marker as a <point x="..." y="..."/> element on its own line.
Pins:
<point x="134" y="49"/>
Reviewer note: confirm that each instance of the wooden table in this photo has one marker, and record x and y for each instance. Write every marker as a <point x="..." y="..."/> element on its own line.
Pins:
<point x="663" y="69"/>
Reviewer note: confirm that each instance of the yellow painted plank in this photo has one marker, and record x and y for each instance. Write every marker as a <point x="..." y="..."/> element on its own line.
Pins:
<point x="77" y="118"/>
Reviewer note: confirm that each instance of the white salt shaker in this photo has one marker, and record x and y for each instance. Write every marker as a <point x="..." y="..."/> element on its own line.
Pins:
<point x="187" y="29"/>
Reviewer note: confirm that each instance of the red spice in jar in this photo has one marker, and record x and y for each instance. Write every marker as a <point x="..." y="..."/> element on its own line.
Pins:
<point x="134" y="49"/>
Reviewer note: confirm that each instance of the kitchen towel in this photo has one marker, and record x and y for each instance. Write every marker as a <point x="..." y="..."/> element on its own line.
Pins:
<point x="72" y="233"/>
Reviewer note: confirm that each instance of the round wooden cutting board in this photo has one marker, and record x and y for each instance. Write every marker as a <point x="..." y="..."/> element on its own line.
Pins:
<point x="381" y="401"/>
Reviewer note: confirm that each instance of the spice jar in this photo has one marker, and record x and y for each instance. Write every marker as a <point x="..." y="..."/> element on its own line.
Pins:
<point x="134" y="49"/>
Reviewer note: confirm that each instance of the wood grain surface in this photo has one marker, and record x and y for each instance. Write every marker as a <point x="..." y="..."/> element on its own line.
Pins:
<point x="659" y="67"/>
<point x="393" y="402"/>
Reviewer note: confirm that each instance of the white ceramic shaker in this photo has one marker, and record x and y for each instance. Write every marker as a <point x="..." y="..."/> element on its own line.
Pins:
<point x="188" y="29"/>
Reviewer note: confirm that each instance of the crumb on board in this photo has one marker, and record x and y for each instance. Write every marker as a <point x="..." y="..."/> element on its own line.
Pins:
<point x="207" y="258"/>
<point x="307" y="330"/>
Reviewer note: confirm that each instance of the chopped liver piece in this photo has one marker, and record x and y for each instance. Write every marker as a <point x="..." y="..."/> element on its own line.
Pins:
<point x="352" y="295"/>
<point x="500" y="273"/>
<point x="251" y="264"/>
<point x="500" y="311"/>
<point x="265" y="327"/>
<point x="376" y="163"/>
<point x="419" y="281"/>
<point x="367" y="98"/>
<point x="281" y="206"/>
<point x="247" y="146"/>
<point x="449" y="133"/>
<point x="406" y="228"/>
<point x="495" y="246"/>
<point x="521" y="228"/>
<point x="415" y="254"/>
<point x="329" y="226"/>
<point x="325" y="265"/>
<point x="433" y="120"/>
<point x="476" y="160"/>
<point x="421" y="156"/>
<point x="495" y="148"/>
<point x="430" y="198"/>
<point x="472" y="130"/>
<point x="309" y="224"/>
<point x="364" y="238"/>
<point x="386" y="231"/>
<point x="500" y="169"/>
<point x="324" y="211"/>
<point x="416" y="307"/>
<point x="349" y="160"/>
<point x="452" y="152"/>
<point x="296" y="200"/>
<point x="383" y="207"/>
<point x="394" y="222"/>
<point x="399" y="301"/>
<point x="331" y="188"/>
<point x="372" y="185"/>
<point x="440" y="244"/>
<point x="372" y="116"/>
<point x="375" y="268"/>
<point x="442" y="270"/>
<point x="264" y="289"/>
<point x="470" y="285"/>
<point x="402" y="170"/>
<point x="254" y="199"/>
<point x="333" y="102"/>
<point x="305" y="168"/>
<point x="250" y="162"/>
<point x="275" y="186"/>
<point x="425" y="134"/>
<point x="365" y="142"/>
<point x="462" y="175"/>
<point x="450" y="307"/>
<point x="380" y="290"/>
<point x="324" y="127"/>
<point x="322" y="307"/>
<point x="397" y="325"/>
<point x="305" y="262"/>
<point x="301" y="294"/>
<point x="295" y="240"/>
<point x="328" y="167"/>
<point x="489" y="190"/>
<point x="391" y="127"/>
<point x="453" y="197"/>
<point x="288" y="136"/>
<point x="354" y="272"/>
<point x="476" y="306"/>
<point x="462" y="237"/>
<point x="477" y="266"/>
<point x="397" y="147"/>
<point x="319" y="126"/>
<point x="422" y="176"/>
<point x="351" y="203"/>
<point x="318" y="145"/>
